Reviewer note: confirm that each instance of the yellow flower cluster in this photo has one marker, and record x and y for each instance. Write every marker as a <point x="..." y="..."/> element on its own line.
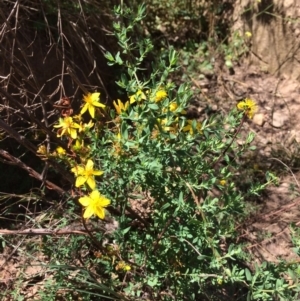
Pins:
<point x="73" y="128"/>
<point x="68" y="127"/>
<point x="120" y="107"/>
<point x="123" y="266"/>
<point x="43" y="153"/>
<point x="138" y="96"/>
<point x="223" y="182"/>
<point x="159" y="95"/>
<point x="191" y="127"/>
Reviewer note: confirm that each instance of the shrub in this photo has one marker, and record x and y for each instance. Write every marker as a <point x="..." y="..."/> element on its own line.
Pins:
<point x="164" y="186"/>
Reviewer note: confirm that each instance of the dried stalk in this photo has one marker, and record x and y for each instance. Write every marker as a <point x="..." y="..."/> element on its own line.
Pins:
<point x="31" y="147"/>
<point x="64" y="231"/>
<point x="31" y="171"/>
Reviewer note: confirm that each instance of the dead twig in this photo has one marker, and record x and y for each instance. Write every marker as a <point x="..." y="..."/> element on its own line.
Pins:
<point x="64" y="231"/>
<point x="31" y="171"/>
<point x="31" y="147"/>
<point x="155" y="244"/>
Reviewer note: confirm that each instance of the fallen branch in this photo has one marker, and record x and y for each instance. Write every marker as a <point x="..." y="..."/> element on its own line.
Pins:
<point x="65" y="231"/>
<point x="31" y="147"/>
<point x="31" y="172"/>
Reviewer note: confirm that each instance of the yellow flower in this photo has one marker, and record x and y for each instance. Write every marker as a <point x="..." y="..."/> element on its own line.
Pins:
<point x="249" y="106"/>
<point x="77" y="118"/>
<point x="91" y="101"/>
<point x="223" y="182"/>
<point x="173" y="107"/>
<point x="160" y="95"/>
<point x="60" y="151"/>
<point x="123" y="266"/>
<point x="165" y="126"/>
<point x="79" y="147"/>
<point x="120" y="106"/>
<point x="189" y="127"/>
<point x="86" y="174"/>
<point x="42" y="150"/>
<point x="248" y="34"/>
<point x="67" y="127"/>
<point x="84" y="127"/>
<point x="170" y="128"/>
<point x="94" y="204"/>
<point x="138" y="96"/>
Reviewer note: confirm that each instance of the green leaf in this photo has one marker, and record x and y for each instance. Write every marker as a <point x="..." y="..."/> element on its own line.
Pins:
<point x="118" y="59"/>
<point x="165" y="206"/>
<point x="250" y="137"/>
<point x="248" y="274"/>
<point x="153" y="106"/>
<point x="279" y="283"/>
<point x="124" y="231"/>
<point x="172" y="57"/>
<point x="152" y="282"/>
<point x="180" y="199"/>
<point x="109" y="56"/>
<point x="252" y="147"/>
<point x="124" y="131"/>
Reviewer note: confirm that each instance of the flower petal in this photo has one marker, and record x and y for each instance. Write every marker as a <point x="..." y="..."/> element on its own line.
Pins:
<point x="132" y="99"/>
<point x="77" y="170"/>
<point x="98" y="104"/>
<point x="85" y="201"/>
<point x="95" y="195"/>
<point x="80" y="181"/>
<point x="91" y="182"/>
<point x="60" y="123"/>
<point x="73" y="133"/>
<point x="88" y="212"/>
<point x="85" y="107"/>
<point x="100" y="212"/>
<point x="103" y="202"/>
<point x="98" y="172"/>
<point x="95" y="96"/>
<point x="117" y="107"/>
<point x="92" y="111"/>
<point x="75" y="125"/>
<point x="89" y="165"/>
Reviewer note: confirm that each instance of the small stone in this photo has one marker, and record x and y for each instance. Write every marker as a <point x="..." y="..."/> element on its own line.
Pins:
<point x="259" y="119"/>
<point x="279" y="119"/>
